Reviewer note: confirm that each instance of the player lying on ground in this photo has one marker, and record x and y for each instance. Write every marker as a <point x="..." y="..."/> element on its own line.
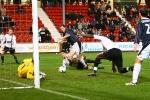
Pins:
<point x="26" y="69"/>
<point x="112" y="53"/>
<point x="75" y="63"/>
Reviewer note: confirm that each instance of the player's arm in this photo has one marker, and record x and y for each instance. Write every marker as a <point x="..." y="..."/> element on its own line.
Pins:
<point x="30" y="73"/>
<point x="85" y="35"/>
<point x="113" y="66"/>
<point x="4" y="39"/>
<point x="138" y="36"/>
<point x="135" y="47"/>
<point x="62" y="39"/>
<point x="14" y="42"/>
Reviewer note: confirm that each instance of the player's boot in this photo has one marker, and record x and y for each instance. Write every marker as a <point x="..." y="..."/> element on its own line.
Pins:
<point x="92" y="74"/>
<point x="131" y="83"/>
<point x="2" y="63"/>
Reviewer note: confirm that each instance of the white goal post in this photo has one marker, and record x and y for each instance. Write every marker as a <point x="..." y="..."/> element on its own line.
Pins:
<point x="35" y="44"/>
<point x="8" y="71"/>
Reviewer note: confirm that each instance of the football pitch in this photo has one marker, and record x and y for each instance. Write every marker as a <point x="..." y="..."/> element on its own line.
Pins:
<point x="75" y="84"/>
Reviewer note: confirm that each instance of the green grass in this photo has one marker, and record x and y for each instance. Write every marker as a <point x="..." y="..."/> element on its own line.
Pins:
<point x="105" y="86"/>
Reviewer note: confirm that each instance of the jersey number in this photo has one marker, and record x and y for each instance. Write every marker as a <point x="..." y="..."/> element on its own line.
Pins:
<point x="148" y="28"/>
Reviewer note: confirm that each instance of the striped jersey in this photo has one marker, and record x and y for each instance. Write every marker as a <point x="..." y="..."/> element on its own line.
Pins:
<point x="10" y="41"/>
<point x="72" y="36"/>
<point x="143" y="32"/>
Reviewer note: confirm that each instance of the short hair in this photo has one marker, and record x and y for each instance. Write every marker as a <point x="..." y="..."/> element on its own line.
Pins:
<point x="62" y="25"/>
<point x="63" y="50"/>
<point x="144" y="12"/>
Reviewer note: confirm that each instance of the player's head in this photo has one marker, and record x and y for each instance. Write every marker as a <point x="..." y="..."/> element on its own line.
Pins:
<point x="143" y="12"/>
<point x="63" y="53"/>
<point x="10" y="31"/>
<point x="62" y="27"/>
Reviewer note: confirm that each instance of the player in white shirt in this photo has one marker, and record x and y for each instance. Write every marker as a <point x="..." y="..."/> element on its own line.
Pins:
<point x="10" y="44"/>
<point x="111" y="53"/>
<point x="76" y="61"/>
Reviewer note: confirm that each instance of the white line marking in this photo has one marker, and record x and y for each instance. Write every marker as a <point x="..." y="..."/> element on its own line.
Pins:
<point x="141" y="67"/>
<point x="59" y="93"/>
<point x="49" y="91"/>
<point x="14" y="82"/>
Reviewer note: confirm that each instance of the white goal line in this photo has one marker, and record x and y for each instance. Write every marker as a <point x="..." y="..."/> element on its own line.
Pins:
<point x="23" y="86"/>
<point x="49" y="91"/>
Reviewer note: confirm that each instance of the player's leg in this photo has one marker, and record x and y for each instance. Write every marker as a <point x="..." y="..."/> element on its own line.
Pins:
<point x="96" y="63"/>
<point x="81" y="59"/>
<point x="62" y="68"/>
<point x="91" y="61"/>
<point x="118" y="60"/>
<point x="97" y="60"/>
<point x="5" y="49"/>
<point x="64" y="62"/>
<point x="76" y="50"/>
<point x="113" y="66"/>
<point x="2" y="57"/>
<point x="15" y="58"/>
<point x="142" y="55"/>
<point x="71" y="54"/>
<point x="12" y="51"/>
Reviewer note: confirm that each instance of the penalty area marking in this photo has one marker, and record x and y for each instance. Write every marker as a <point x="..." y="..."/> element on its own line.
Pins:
<point x="41" y="89"/>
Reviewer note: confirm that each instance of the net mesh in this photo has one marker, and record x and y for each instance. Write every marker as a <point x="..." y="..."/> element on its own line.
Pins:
<point x="19" y="18"/>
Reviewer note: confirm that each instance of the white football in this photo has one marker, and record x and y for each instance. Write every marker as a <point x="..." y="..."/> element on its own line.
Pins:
<point x="62" y="69"/>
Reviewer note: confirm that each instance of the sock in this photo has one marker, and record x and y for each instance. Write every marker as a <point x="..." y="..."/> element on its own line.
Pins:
<point x="96" y="62"/>
<point x="16" y="59"/>
<point x="90" y="61"/>
<point x="65" y="62"/>
<point x="82" y="61"/>
<point x="136" y="71"/>
<point x="2" y="58"/>
<point x="95" y="69"/>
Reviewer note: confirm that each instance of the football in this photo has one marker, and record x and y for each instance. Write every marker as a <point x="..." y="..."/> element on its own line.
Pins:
<point x="62" y="69"/>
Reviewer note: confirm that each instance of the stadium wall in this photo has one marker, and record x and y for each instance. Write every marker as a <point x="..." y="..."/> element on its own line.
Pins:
<point x="96" y="46"/>
<point x="87" y="47"/>
<point x="43" y="47"/>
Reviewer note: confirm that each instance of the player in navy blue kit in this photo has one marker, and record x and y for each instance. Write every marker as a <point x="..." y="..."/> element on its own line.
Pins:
<point x="142" y="35"/>
<point x="71" y="38"/>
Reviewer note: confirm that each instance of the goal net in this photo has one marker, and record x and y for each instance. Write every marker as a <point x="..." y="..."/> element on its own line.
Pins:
<point x="20" y="20"/>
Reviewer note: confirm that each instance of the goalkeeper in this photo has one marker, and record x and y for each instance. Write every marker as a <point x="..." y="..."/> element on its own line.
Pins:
<point x="26" y="69"/>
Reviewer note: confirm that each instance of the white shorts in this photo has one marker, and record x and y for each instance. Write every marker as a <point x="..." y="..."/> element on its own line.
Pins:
<point x="75" y="47"/>
<point x="145" y="53"/>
